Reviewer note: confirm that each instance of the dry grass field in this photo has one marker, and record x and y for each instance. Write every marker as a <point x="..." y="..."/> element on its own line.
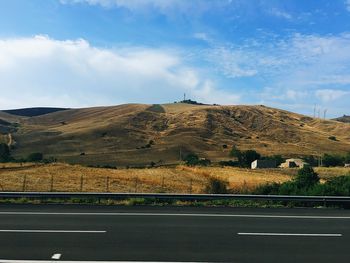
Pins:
<point x="180" y="179"/>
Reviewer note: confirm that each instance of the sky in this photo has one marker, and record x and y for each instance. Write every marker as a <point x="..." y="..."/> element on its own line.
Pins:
<point x="289" y="54"/>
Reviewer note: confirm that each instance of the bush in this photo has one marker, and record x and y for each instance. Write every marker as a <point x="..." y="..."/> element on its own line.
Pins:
<point x="216" y="186"/>
<point x="244" y="158"/>
<point x="193" y="159"/>
<point x="332" y="160"/>
<point x="35" y="157"/>
<point x="306" y="177"/>
<point x="5" y="155"/>
<point x="229" y="163"/>
<point x="333" y="138"/>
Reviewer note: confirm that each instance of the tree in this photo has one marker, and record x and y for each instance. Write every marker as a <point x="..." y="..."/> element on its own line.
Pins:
<point x="191" y="159"/>
<point x="35" y="157"/>
<point x="249" y="157"/>
<point x="332" y="160"/>
<point x="244" y="158"/>
<point x="5" y="155"/>
<point x="306" y="177"/>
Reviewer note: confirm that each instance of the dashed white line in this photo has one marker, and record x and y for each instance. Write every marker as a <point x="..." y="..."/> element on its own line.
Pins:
<point x="289" y="234"/>
<point x="52" y="231"/>
<point x="56" y="256"/>
<point x="178" y="214"/>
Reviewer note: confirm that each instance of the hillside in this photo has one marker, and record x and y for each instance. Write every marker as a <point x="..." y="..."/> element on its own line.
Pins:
<point x="31" y="112"/>
<point x="137" y="134"/>
<point x="345" y="119"/>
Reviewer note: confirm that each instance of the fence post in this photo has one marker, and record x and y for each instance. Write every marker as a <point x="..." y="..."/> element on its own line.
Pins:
<point x="107" y="184"/>
<point x="163" y="182"/>
<point x="136" y="182"/>
<point x="24" y="183"/>
<point x="81" y="183"/>
<point x="51" y="183"/>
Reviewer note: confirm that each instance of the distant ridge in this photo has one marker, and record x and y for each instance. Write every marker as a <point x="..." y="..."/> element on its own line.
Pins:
<point x="345" y="119"/>
<point x="32" y="112"/>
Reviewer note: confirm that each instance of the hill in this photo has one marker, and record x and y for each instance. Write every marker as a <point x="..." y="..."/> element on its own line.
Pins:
<point x="345" y="119"/>
<point x="31" y="112"/>
<point x="138" y="134"/>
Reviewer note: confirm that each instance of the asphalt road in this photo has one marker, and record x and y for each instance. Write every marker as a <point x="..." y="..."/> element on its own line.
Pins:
<point x="92" y="233"/>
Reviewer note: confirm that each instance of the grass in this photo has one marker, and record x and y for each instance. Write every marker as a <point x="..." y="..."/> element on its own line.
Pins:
<point x="181" y="179"/>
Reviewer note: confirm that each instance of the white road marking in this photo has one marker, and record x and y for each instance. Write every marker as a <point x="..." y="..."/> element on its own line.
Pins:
<point x="289" y="234"/>
<point x="56" y="256"/>
<point x="51" y="231"/>
<point x="180" y="215"/>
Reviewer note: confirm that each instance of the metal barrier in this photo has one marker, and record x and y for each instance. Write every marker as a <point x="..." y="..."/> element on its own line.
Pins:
<point x="181" y="197"/>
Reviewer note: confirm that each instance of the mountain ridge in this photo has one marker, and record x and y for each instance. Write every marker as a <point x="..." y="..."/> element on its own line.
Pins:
<point x="138" y="134"/>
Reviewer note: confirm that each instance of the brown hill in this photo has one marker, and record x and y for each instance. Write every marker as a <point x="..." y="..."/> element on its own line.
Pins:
<point x="137" y="134"/>
<point x="345" y="119"/>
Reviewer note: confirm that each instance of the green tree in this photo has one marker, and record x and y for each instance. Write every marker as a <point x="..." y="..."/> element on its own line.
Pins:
<point x="332" y="160"/>
<point x="249" y="157"/>
<point x="191" y="159"/>
<point x="5" y="155"/>
<point x="236" y="153"/>
<point x="306" y="177"/>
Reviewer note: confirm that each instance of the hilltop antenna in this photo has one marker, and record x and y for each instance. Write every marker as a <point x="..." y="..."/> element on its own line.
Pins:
<point x="184" y="96"/>
<point x="324" y="113"/>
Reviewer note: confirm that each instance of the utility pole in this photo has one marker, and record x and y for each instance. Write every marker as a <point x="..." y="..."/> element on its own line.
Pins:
<point x="324" y="114"/>
<point x="319" y="113"/>
<point x="184" y="96"/>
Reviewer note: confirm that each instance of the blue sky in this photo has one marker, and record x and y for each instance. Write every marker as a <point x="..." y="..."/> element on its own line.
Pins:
<point x="75" y="53"/>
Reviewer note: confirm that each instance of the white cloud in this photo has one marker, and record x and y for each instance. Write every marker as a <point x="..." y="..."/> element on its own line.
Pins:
<point x="280" y="13"/>
<point x="41" y="71"/>
<point x="329" y="95"/>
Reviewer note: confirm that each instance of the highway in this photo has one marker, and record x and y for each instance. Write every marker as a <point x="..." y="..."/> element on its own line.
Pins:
<point x="50" y="233"/>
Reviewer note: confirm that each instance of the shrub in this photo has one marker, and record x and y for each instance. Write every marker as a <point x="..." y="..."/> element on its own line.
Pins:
<point x="5" y="155"/>
<point x="244" y="158"/>
<point x="333" y="138"/>
<point x="229" y="163"/>
<point x="193" y="159"/>
<point x="332" y="160"/>
<point x="35" y="157"/>
<point x="306" y="177"/>
<point x="216" y="186"/>
<point x="278" y="158"/>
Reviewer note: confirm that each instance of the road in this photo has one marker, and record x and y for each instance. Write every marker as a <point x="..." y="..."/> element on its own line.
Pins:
<point x="171" y="234"/>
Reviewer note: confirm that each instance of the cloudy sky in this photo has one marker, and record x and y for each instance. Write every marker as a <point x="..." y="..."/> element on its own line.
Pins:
<point x="289" y="54"/>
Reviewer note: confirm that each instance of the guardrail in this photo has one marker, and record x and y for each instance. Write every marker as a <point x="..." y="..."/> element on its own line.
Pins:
<point x="182" y="197"/>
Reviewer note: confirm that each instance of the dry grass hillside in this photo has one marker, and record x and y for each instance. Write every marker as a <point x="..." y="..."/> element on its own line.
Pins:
<point x="137" y="134"/>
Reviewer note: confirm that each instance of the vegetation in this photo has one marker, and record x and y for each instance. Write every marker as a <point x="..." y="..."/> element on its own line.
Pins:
<point x="216" y="186"/>
<point x="244" y="158"/>
<point x="193" y="160"/>
<point x="332" y="138"/>
<point x="329" y="160"/>
<point x="5" y="155"/>
<point x="307" y="182"/>
<point x="35" y="157"/>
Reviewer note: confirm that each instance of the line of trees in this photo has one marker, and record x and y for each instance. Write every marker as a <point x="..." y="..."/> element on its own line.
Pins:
<point x="307" y="182"/>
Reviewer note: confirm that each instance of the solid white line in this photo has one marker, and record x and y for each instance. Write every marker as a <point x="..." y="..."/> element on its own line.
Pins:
<point x="50" y="231"/>
<point x="56" y="256"/>
<point x="289" y="234"/>
<point x="173" y="214"/>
